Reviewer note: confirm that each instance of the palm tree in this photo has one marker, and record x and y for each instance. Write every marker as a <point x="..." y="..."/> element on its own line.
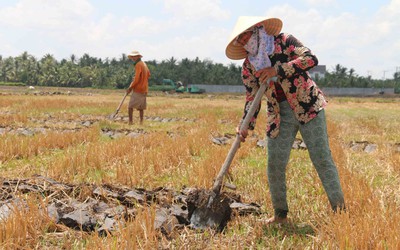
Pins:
<point x="48" y="76"/>
<point x="72" y="59"/>
<point x="25" y="68"/>
<point x="7" y="69"/>
<point x="172" y="61"/>
<point x="351" y="77"/>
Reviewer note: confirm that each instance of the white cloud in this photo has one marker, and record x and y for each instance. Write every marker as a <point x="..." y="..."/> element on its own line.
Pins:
<point x="183" y="35"/>
<point x="196" y="9"/>
<point x="45" y="14"/>
<point x="6" y="46"/>
<point x="196" y="28"/>
<point x="321" y="2"/>
<point x="69" y="26"/>
<point x="357" y="42"/>
<point x="207" y="44"/>
<point x="386" y="21"/>
<point x="383" y="31"/>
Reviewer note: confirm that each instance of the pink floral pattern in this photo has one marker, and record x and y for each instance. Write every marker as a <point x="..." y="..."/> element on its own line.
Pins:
<point x="292" y="60"/>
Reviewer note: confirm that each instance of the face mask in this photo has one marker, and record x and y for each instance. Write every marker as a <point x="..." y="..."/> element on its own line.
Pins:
<point x="252" y="44"/>
<point x="259" y="47"/>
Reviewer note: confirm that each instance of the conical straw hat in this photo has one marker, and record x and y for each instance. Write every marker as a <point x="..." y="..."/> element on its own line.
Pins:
<point x="134" y="53"/>
<point x="272" y="26"/>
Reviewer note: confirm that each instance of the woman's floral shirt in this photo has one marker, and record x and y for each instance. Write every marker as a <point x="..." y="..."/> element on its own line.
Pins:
<point x="291" y="60"/>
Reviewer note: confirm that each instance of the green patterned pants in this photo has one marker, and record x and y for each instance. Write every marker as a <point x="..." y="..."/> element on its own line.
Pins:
<point x="314" y="134"/>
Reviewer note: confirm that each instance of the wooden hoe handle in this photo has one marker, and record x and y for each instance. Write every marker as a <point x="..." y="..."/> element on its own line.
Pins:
<point x="245" y="124"/>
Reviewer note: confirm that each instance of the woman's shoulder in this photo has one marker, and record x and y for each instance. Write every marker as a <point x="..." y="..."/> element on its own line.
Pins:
<point x="287" y="39"/>
<point x="283" y="36"/>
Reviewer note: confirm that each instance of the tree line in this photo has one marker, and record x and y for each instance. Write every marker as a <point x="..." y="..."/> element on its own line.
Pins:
<point x="341" y="76"/>
<point x="89" y="71"/>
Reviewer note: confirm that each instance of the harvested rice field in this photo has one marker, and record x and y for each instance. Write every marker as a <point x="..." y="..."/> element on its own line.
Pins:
<point x="72" y="178"/>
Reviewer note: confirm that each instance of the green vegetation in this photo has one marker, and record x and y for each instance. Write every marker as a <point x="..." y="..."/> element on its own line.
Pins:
<point x="12" y="84"/>
<point x="397" y="87"/>
<point x="344" y="77"/>
<point x="94" y="72"/>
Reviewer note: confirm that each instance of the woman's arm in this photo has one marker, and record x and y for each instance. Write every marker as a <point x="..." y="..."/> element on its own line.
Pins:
<point x="300" y="58"/>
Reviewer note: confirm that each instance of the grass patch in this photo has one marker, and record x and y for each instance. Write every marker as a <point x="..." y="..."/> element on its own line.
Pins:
<point x="180" y="153"/>
<point x="12" y="84"/>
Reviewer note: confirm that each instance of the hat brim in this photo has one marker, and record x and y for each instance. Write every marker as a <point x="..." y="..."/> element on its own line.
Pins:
<point x="129" y="56"/>
<point x="134" y="53"/>
<point x="272" y="26"/>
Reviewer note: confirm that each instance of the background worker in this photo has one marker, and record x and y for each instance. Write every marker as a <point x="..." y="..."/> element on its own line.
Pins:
<point x="294" y="103"/>
<point x="138" y="86"/>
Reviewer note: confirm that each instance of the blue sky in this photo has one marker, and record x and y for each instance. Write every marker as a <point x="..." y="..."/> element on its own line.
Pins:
<point x="363" y="35"/>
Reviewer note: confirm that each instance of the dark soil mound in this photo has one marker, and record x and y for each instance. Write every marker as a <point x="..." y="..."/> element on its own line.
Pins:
<point x="104" y="208"/>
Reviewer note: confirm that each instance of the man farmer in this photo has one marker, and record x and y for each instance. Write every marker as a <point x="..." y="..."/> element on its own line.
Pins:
<point x="138" y="86"/>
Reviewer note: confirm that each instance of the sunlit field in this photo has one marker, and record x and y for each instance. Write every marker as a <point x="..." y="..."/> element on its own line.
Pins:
<point x="68" y="137"/>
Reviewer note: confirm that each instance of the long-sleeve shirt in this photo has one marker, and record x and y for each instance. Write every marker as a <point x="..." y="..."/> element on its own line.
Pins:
<point x="292" y="60"/>
<point x="140" y="82"/>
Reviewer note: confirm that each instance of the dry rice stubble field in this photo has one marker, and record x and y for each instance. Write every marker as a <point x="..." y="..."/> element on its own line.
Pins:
<point x="174" y="149"/>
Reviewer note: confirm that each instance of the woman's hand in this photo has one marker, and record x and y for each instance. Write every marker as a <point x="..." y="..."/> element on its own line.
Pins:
<point x="266" y="73"/>
<point x="242" y="133"/>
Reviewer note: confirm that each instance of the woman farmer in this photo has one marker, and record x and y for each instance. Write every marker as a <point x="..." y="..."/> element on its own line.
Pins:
<point x="294" y="103"/>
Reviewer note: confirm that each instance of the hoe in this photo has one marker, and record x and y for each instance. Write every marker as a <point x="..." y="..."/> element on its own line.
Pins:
<point x="119" y="107"/>
<point x="211" y="209"/>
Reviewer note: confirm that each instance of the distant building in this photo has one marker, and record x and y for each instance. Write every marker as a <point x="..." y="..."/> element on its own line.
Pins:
<point x="318" y="72"/>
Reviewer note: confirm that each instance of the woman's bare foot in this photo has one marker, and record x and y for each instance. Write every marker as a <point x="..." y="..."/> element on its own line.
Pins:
<point x="276" y="220"/>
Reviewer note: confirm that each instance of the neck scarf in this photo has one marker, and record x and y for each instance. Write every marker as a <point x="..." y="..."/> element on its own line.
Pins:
<point x="259" y="47"/>
<point x="135" y="62"/>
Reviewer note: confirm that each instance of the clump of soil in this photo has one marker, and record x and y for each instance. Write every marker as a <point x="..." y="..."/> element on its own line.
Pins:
<point x="105" y="208"/>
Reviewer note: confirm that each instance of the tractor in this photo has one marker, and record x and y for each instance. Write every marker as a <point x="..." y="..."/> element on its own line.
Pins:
<point x="167" y="85"/>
